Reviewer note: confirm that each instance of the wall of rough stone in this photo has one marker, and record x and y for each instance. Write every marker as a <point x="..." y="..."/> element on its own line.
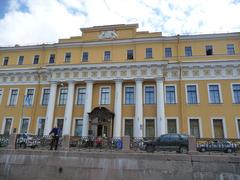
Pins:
<point x="27" y="164"/>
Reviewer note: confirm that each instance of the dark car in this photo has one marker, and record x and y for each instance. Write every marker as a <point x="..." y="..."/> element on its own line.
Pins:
<point x="218" y="145"/>
<point x="168" y="142"/>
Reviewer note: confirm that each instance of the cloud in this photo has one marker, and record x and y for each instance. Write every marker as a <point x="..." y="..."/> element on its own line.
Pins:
<point x="37" y="21"/>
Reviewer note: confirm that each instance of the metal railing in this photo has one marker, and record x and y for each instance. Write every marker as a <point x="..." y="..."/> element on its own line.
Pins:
<point x="4" y="139"/>
<point x="137" y="143"/>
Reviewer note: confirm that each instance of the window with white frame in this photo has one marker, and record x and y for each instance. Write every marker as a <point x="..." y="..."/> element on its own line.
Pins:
<point x="52" y="59"/>
<point x="107" y="55"/>
<point x="7" y="128"/>
<point x="81" y="93"/>
<point x="128" y="129"/>
<point x="172" y="125"/>
<point x="188" y="51"/>
<point x="150" y="127"/>
<point x="20" y="60"/>
<point x="24" y="125"/>
<point x="194" y="127"/>
<point x="214" y="94"/>
<point x="45" y="97"/>
<point x="230" y="49"/>
<point x="236" y="93"/>
<point x="105" y="95"/>
<point x="13" y="97"/>
<point x="41" y="126"/>
<point x="129" y="95"/>
<point x="168" y="52"/>
<point x="5" y="61"/>
<point x="85" y="57"/>
<point x="149" y="53"/>
<point x="67" y="57"/>
<point x="192" y="95"/>
<point x="149" y="95"/>
<point x="218" y="128"/>
<point x="60" y="125"/>
<point x="130" y="55"/>
<point x="1" y="95"/>
<point x="78" y="127"/>
<point x="63" y="96"/>
<point x="170" y="94"/>
<point x="238" y="127"/>
<point x="36" y="59"/>
<point x="209" y="50"/>
<point x="28" y="99"/>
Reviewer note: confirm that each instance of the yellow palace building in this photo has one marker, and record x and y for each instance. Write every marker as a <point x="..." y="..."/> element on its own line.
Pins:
<point x="115" y="81"/>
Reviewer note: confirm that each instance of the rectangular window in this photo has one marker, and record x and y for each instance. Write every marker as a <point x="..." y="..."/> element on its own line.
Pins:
<point x="5" y="61"/>
<point x="78" y="127"/>
<point x="168" y="52"/>
<point x="7" y="128"/>
<point x="60" y="125"/>
<point x="188" y="51"/>
<point x="41" y="126"/>
<point x="172" y="125"/>
<point x="170" y="95"/>
<point x="1" y="95"/>
<point x="45" y="97"/>
<point x="128" y="129"/>
<point x="150" y="128"/>
<point x="209" y="50"/>
<point x="36" y="59"/>
<point x="13" y="97"/>
<point x="149" y="53"/>
<point x="149" y="95"/>
<point x="194" y="128"/>
<point x="63" y="96"/>
<point x="20" y="60"/>
<point x="81" y="96"/>
<point x="52" y="59"/>
<point x="85" y="57"/>
<point x="218" y="128"/>
<point x="230" y="49"/>
<point x="107" y="55"/>
<point x="67" y="57"/>
<point x="129" y="95"/>
<point x="236" y="93"/>
<point x="238" y="127"/>
<point x="130" y="54"/>
<point x="214" y="94"/>
<point x="105" y="95"/>
<point x="28" y="99"/>
<point x="24" y="125"/>
<point x="192" y="97"/>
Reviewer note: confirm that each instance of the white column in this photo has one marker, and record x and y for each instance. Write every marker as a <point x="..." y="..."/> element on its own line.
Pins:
<point x="138" y="124"/>
<point x="68" y="109"/>
<point x="50" y="108"/>
<point x="117" y="109"/>
<point x="87" y="107"/>
<point x="161" y="121"/>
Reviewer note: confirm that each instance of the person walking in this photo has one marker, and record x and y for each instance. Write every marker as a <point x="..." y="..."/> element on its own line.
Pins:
<point x="55" y="132"/>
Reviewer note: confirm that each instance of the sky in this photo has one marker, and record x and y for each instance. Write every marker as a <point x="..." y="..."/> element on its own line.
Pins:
<point x="26" y="22"/>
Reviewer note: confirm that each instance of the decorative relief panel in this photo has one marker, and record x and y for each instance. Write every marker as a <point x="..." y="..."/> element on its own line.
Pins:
<point x="206" y="72"/>
<point x="123" y="73"/>
<point x="94" y="74"/>
<point x="185" y="73"/>
<point x="75" y="74"/>
<point x="85" y="74"/>
<point x="217" y="72"/>
<point x="229" y="72"/>
<point x="12" y="79"/>
<point x="195" y="72"/>
<point x="113" y="73"/>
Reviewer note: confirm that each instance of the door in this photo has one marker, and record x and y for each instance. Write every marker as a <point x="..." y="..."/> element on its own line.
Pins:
<point x="218" y="128"/>
<point x="150" y="128"/>
<point x="60" y="125"/>
<point x="24" y="125"/>
<point x="7" y="128"/>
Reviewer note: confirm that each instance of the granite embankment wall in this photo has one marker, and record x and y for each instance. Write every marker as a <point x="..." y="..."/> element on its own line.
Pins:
<point x="60" y="165"/>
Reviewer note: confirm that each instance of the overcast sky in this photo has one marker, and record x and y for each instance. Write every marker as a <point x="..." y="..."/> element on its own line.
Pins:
<point x="45" y="21"/>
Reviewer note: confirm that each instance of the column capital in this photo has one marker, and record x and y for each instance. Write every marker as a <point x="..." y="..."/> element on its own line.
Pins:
<point x="89" y="81"/>
<point x="159" y="79"/>
<point x="139" y="79"/>
<point x="118" y="80"/>
<point x="54" y="82"/>
<point x="71" y="81"/>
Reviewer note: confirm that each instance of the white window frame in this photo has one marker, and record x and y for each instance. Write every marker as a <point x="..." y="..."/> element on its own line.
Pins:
<point x="100" y="94"/>
<point x="233" y="100"/>
<point x="1" y="97"/>
<point x="224" y="126"/>
<point x="19" y="59"/>
<point x="42" y="96"/>
<point x="236" y="124"/>
<point x="154" y="87"/>
<point x="144" y="126"/>
<point x="109" y="58"/>
<point x="123" y="125"/>
<point x="65" y="57"/>
<point x="55" y="120"/>
<point x="165" y="93"/>
<point x="76" y="96"/>
<point x="177" y="123"/>
<point x="4" y="123"/>
<point x="74" y="124"/>
<point x="9" y="96"/>
<point x="59" y="92"/>
<point x="34" y="57"/>
<point x="4" y="60"/>
<point x="39" y="117"/>
<point x="20" y="123"/>
<point x="200" y="125"/>
<point x="87" y="58"/>
<point x="220" y="93"/>
<point x="25" y="95"/>
<point x="54" y="58"/>
<point x="124" y="94"/>
<point x="186" y="93"/>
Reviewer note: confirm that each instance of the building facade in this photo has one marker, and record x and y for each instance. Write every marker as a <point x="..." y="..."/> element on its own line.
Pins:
<point x="115" y="81"/>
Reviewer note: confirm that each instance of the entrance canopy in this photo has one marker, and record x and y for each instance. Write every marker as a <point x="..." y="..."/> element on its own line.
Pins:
<point x="101" y="113"/>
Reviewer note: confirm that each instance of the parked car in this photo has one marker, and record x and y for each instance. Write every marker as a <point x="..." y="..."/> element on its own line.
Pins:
<point x="168" y="142"/>
<point x="27" y="140"/>
<point x="218" y="145"/>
